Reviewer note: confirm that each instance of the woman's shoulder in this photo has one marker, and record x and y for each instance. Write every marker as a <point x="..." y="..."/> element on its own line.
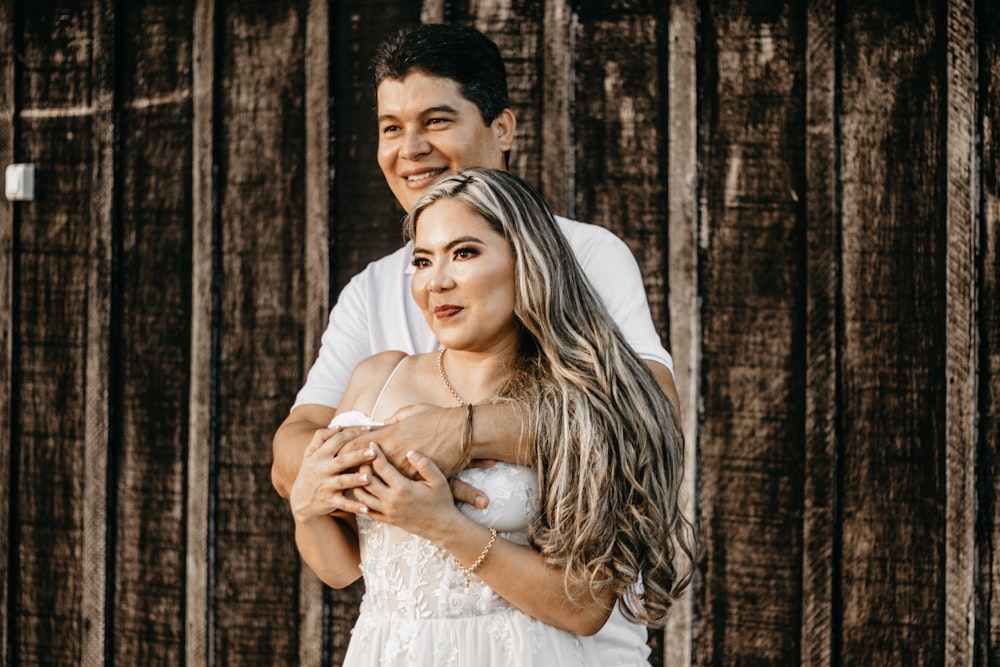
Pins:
<point x="368" y="378"/>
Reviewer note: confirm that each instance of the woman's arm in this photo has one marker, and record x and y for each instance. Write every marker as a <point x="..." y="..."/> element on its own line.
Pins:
<point x="329" y="544"/>
<point x="325" y="527"/>
<point x="517" y="573"/>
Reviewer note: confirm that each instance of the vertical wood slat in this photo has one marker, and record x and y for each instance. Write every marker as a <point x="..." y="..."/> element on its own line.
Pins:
<point x="316" y="269"/>
<point x="753" y="287"/>
<point x="683" y="303"/>
<point x="618" y="139"/>
<point x="960" y="338"/>
<point x="152" y="359"/>
<point x="58" y="131"/>
<point x="819" y="531"/>
<point x="98" y="359"/>
<point x="556" y="85"/>
<point x="198" y="616"/>
<point x="517" y="30"/>
<point x="8" y="217"/>
<point x="260" y="249"/>
<point x="892" y="363"/>
<point x="988" y="361"/>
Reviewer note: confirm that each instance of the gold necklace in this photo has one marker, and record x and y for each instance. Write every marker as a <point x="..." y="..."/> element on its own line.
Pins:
<point x="444" y="378"/>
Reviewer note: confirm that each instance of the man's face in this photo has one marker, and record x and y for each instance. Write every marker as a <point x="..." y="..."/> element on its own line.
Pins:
<point x="427" y="130"/>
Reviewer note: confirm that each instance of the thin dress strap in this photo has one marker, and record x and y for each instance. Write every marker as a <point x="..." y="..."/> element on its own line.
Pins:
<point x="384" y="386"/>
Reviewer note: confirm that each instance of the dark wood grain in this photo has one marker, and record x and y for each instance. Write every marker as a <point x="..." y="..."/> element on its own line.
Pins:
<point x="50" y="336"/>
<point x="892" y="501"/>
<point x="960" y="337"/>
<point x="618" y="136"/>
<point x="9" y="212"/>
<point x="753" y="326"/>
<point x="517" y="29"/>
<point x="820" y="531"/>
<point x="259" y="250"/>
<point x="153" y="324"/>
<point x="988" y="331"/>
<point x="97" y="500"/>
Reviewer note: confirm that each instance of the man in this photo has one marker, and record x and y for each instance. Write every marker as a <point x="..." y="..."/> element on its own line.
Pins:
<point x="442" y="105"/>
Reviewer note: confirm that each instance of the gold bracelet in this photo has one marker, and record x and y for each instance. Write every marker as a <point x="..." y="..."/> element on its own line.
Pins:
<point x="467" y="432"/>
<point x="479" y="561"/>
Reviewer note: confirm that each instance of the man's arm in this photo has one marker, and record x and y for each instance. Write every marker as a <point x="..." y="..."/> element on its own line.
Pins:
<point x="290" y="442"/>
<point x="499" y="432"/>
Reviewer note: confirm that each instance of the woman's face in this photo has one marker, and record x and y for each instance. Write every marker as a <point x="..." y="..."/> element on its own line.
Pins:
<point x="464" y="278"/>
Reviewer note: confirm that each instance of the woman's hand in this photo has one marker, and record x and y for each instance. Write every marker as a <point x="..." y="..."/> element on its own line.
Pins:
<point x="328" y="473"/>
<point x="423" y="506"/>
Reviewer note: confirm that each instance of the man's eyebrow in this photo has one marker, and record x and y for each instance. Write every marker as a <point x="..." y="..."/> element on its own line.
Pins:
<point x="441" y="108"/>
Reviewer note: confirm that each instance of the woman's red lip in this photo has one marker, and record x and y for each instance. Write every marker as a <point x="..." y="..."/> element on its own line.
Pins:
<point x="446" y="311"/>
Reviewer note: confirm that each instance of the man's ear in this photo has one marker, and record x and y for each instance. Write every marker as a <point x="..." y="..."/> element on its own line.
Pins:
<point x="503" y="128"/>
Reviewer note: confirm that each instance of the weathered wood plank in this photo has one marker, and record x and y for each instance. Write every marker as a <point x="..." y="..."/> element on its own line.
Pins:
<point x="316" y="270"/>
<point x="56" y="132"/>
<point x="154" y="327"/>
<point x="753" y="289"/>
<point x="618" y="135"/>
<point x="516" y="28"/>
<point x="9" y="213"/>
<point x="960" y="339"/>
<point x="554" y="88"/>
<point x="893" y="171"/>
<point x="682" y="276"/>
<point x="201" y="431"/>
<point x="366" y="218"/>
<point x="98" y="376"/>
<point x="820" y="528"/>
<point x="988" y="362"/>
<point x="260" y="246"/>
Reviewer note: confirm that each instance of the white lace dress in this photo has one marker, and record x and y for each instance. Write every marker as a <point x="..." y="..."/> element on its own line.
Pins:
<point x="415" y="610"/>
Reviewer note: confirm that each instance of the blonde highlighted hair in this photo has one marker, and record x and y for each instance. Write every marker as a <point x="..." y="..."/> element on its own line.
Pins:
<point x="608" y="447"/>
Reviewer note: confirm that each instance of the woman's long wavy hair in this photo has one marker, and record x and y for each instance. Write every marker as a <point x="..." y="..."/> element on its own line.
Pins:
<point x="608" y="448"/>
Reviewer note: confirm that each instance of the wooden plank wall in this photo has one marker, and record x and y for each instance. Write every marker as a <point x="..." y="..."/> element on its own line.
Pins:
<point x="811" y="190"/>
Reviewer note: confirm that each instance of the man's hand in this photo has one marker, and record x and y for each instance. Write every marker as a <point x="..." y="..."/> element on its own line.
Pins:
<point x="435" y="432"/>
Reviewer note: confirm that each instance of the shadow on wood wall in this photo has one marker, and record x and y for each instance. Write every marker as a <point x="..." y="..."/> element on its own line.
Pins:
<point x="810" y="189"/>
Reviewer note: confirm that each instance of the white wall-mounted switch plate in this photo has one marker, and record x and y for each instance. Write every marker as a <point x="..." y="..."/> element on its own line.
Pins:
<point x="19" y="182"/>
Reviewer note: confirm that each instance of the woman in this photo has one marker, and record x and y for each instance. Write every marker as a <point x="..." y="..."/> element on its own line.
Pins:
<point x="526" y="580"/>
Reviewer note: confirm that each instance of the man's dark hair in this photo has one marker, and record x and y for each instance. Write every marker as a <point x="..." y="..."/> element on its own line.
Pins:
<point x="462" y="54"/>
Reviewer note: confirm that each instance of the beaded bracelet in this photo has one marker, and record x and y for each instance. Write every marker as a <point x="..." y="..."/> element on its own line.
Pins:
<point x="479" y="561"/>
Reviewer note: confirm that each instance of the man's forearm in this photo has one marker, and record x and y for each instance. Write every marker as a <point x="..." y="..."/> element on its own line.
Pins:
<point x="500" y="432"/>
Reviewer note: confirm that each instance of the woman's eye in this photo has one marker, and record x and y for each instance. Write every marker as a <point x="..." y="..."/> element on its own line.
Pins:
<point x="465" y="253"/>
<point x="420" y="262"/>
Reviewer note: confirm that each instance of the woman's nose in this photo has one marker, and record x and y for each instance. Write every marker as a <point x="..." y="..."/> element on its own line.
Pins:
<point x="442" y="278"/>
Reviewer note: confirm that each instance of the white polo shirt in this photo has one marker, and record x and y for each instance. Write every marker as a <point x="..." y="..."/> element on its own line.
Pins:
<point x="375" y="313"/>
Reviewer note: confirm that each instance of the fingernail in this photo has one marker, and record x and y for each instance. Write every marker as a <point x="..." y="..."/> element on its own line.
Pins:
<point x="363" y="510"/>
<point x="481" y="502"/>
<point x="412" y="455"/>
<point x="370" y="452"/>
<point x="364" y="478"/>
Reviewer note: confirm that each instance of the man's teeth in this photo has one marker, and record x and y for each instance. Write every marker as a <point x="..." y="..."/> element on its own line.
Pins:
<point x="421" y="177"/>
